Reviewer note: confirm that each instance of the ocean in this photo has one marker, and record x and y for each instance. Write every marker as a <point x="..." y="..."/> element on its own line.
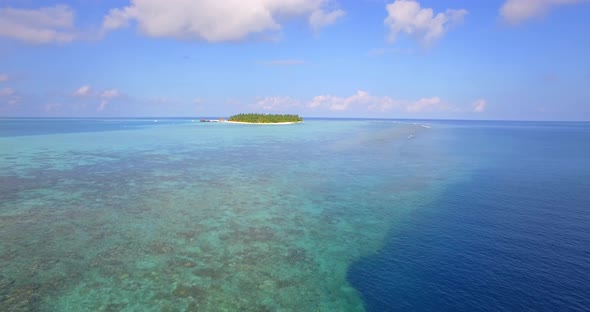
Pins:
<point x="328" y="215"/>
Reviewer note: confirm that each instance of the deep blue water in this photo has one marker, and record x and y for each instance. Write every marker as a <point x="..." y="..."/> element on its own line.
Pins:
<point x="514" y="237"/>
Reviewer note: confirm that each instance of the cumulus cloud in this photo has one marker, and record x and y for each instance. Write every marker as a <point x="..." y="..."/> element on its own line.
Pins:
<point x="407" y="16"/>
<point x="319" y="18"/>
<point x="38" y="26"/>
<point x="118" y="18"/>
<point x="360" y="98"/>
<point x="277" y="103"/>
<point x="102" y="106"/>
<point x="380" y="104"/>
<point x="3" y="77"/>
<point x="104" y="96"/>
<point x="479" y="105"/>
<point x="364" y="102"/>
<point x="83" y="91"/>
<point x="110" y="94"/>
<point x="427" y="104"/>
<point x="217" y="21"/>
<point x="517" y="11"/>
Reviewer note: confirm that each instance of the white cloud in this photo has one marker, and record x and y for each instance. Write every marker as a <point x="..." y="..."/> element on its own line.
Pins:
<point x="102" y="106"/>
<point x="426" y="104"/>
<point x="110" y="94"/>
<point x="479" y="105"/>
<point x="87" y="91"/>
<point x="277" y="103"/>
<point x="214" y="20"/>
<point x="319" y="18"/>
<point x="3" y="77"/>
<point x="407" y="16"/>
<point x="517" y="11"/>
<point x="198" y="101"/>
<point x="363" y="102"/>
<point x="104" y="96"/>
<point x="360" y="98"/>
<point x="118" y="18"/>
<point x="43" y="25"/>
<point x="283" y="62"/>
<point x="83" y="91"/>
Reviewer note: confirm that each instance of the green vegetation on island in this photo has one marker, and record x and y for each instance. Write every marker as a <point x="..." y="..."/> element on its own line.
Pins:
<point x="265" y="118"/>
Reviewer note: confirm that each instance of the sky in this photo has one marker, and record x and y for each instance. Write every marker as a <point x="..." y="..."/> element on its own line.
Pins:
<point x="433" y="59"/>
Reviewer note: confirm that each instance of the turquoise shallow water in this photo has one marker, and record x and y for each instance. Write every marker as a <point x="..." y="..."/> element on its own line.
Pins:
<point x="134" y="215"/>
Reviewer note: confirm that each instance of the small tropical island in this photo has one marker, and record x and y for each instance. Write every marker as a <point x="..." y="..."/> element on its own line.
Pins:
<point x="265" y="119"/>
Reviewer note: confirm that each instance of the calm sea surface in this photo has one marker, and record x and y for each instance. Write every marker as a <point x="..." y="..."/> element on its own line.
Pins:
<point x="329" y="215"/>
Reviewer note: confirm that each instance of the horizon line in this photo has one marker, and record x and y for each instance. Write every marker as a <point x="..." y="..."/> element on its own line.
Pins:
<point x="309" y="117"/>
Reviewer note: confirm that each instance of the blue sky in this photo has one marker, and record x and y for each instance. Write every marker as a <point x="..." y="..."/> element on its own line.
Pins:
<point x="458" y="59"/>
